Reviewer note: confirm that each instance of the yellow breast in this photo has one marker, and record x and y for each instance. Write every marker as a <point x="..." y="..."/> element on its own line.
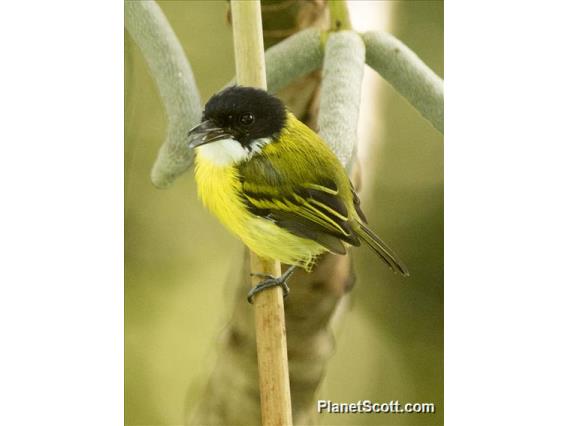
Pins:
<point x="219" y="188"/>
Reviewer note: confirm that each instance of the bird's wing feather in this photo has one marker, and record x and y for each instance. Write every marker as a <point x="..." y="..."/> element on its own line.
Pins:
<point x="299" y="184"/>
<point x="312" y="209"/>
<point x="357" y="205"/>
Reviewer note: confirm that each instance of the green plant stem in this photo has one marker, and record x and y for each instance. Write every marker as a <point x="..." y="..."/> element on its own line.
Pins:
<point x="338" y="15"/>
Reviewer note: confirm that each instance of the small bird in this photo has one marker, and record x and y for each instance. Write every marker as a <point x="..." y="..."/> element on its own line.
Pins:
<point x="274" y="183"/>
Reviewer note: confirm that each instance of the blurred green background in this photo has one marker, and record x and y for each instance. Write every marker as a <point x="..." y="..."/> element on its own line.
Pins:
<point x="389" y="344"/>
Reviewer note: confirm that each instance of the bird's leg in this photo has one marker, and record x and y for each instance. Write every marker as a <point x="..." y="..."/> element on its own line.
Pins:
<point x="270" y="281"/>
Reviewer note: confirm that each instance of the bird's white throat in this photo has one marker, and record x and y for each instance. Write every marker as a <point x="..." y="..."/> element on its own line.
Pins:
<point x="225" y="152"/>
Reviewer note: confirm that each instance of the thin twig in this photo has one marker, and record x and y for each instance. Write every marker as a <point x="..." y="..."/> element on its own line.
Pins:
<point x="406" y="72"/>
<point x="274" y="382"/>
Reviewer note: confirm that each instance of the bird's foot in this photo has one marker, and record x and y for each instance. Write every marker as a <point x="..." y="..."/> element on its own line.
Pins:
<point x="270" y="281"/>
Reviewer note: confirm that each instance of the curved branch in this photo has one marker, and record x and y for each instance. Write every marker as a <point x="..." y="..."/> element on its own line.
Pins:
<point x="170" y="68"/>
<point x="286" y="62"/>
<point x="341" y="93"/>
<point x="406" y="72"/>
<point x="293" y="58"/>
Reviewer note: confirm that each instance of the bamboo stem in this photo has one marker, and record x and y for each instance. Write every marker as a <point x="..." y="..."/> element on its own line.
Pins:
<point x="274" y="382"/>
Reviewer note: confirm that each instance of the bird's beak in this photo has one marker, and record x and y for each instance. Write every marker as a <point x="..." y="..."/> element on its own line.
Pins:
<point x="206" y="132"/>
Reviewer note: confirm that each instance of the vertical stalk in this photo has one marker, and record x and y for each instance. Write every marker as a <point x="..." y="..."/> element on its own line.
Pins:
<point x="339" y="19"/>
<point x="274" y="382"/>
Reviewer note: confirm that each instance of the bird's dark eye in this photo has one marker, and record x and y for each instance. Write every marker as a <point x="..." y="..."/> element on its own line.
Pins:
<point x="247" y="118"/>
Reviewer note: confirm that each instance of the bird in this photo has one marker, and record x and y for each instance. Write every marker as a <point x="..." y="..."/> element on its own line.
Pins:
<point x="273" y="182"/>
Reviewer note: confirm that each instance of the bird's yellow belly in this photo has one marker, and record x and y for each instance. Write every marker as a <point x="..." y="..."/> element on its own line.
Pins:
<point x="219" y="188"/>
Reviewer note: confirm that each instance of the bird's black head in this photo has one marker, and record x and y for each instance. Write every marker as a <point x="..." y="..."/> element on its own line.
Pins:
<point x="244" y="114"/>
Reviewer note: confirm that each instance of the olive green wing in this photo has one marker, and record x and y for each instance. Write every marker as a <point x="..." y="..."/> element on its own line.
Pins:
<point x="310" y="207"/>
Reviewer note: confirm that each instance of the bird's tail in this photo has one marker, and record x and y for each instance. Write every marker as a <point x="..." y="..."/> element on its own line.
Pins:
<point x="384" y="252"/>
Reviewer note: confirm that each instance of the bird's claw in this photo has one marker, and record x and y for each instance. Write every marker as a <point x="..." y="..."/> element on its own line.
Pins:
<point x="268" y="282"/>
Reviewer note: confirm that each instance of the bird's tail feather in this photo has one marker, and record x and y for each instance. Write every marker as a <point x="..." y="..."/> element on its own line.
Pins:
<point x="384" y="252"/>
